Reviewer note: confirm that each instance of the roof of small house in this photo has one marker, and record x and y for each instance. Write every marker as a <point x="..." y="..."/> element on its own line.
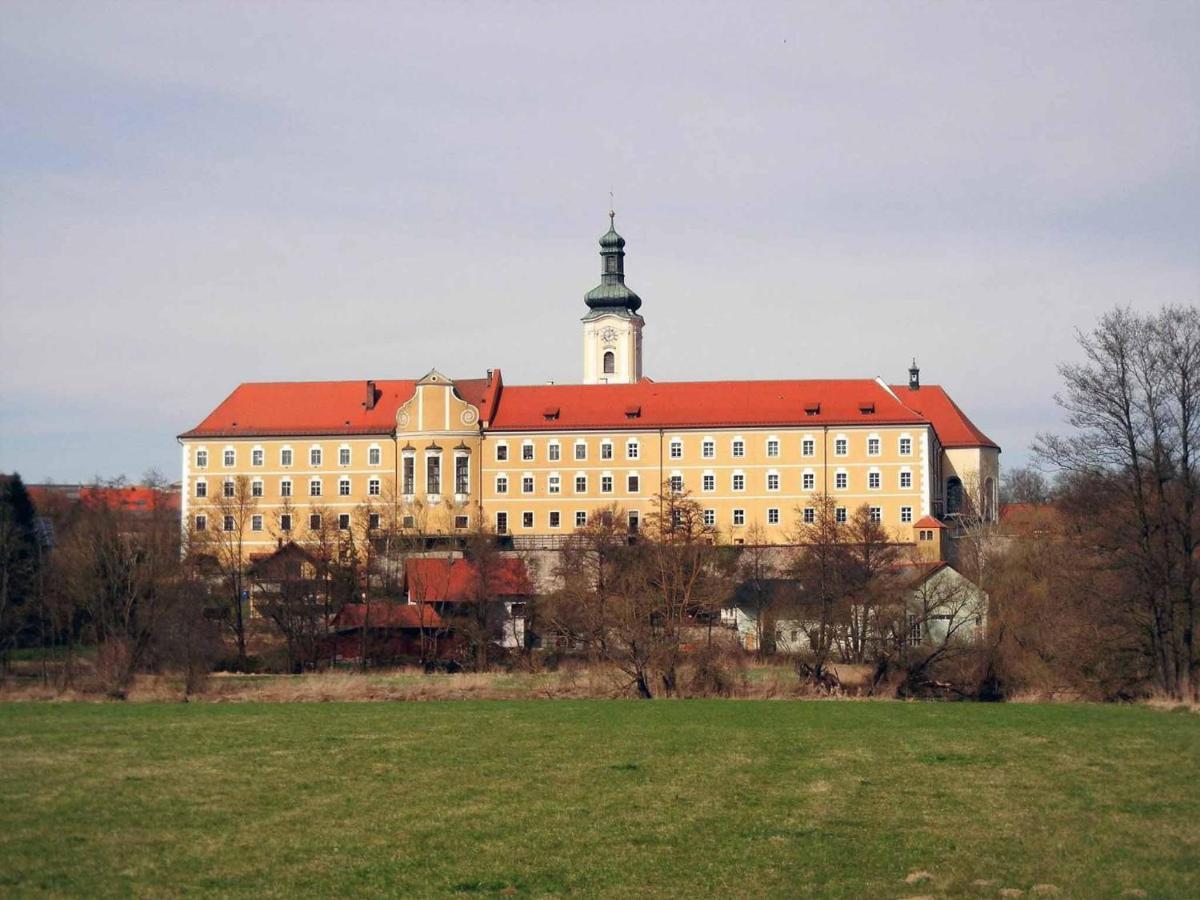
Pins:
<point x="383" y="614"/>
<point x="444" y="580"/>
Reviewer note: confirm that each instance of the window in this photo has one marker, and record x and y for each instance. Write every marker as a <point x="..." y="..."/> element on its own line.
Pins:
<point x="373" y="521"/>
<point x="373" y="487"/>
<point x="228" y="523"/>
<point x="873" y="480"/>
<point x="527" y="520"/>
<point x="228" y="489"/>
<point x="773" y="516"/>
<point x="285" y="522"/>
<point x="772" y="481"/>
<point x="501" y="484"/>
<point x="527" y="451"/>
<point x="739" y="517"/>
<point x="581" y="484"/>
<point x="581" y="519"/>
<point x="230" y="457"/>
<point x="374" y="456"/>
<point x="314" y="456"/>
<point x="256" y="456"/>
<point x="633" y="484"/>
<point x="676" y="484"/>
<point x="631" y="449"/>
<point x="501" y="452"/>
<point x="409" y="472"/>
<point x="926" y="535"/>
<point x="809" y="481"/>
<point x="256" y="523"/>
<point x="606" y="450"/>
<point x="839" y="515"/>
<point x="906" y="479"/>
<point x="343" y="487"/>
<point x="433" y="474"/>
<point x="555" y="518"/>
<point x="635" y="521"/>
<point x="841" y="446"/>
<point x="554" y="451"/>
<point x="201" y="459"/>
<point x="872" y="446"/>
<point x="343" y="456"/>
<point x="610" y="359"/>
<point x="676" y="518"/>
<point x="201" y="489"/>
<point x="344" y="521"/>
<point x="285" y="456"/>
<point x="708" y="449"/>
<point x="314" y="488"/>
<point x="408" y="521"/>
<point x="876" y="514"/>
<point x="739" y="448"/>
<point x="810" y="515"/>
<point x="285" y="487"/>
<point x="580" y="450"/>
<point x="256" y="488"/>
<point x="526" y="484"/>
<point x="739" y="481"/>
<point x="708" y="482"/>
<point x="710" y="517"/>
<point x="554" y="484"/>
<point x="914" y="628"/>
<point x="808" y="447"/>
<point x="906" y="514"/>
<point x="606" y="484"/>
<point x="773" y="447"/>
<point x="676" y="449"/>
<point x="841" y="481"/>
<point x="201" y="523"/>
<point x="460" y="522"/>
<point x="906" y="446"/>
<point x="462" y="474"/>
<point x="501" y="523"/>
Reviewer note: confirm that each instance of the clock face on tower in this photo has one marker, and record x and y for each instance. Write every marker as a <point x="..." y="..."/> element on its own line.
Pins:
<point x="608" y="334"/>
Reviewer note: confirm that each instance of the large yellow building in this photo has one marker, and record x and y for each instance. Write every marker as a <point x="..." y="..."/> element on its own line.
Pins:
<point x="444" y="455"/>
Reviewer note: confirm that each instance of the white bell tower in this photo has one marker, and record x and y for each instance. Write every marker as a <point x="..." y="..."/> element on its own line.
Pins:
<point x="612" y="329"/>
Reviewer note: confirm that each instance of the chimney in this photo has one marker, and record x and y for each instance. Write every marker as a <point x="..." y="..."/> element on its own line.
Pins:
<point x="371" y="395"/>
<point x="914" y="376"/>
<point x="489" y="377"/>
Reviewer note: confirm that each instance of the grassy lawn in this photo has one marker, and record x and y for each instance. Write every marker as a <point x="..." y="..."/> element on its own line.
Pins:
<point x="614" y="798"/>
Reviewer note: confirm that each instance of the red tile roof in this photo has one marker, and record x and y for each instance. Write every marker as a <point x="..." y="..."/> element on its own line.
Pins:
<point x="699" y="404"/>
<point x="284" y="408"/>
<point x="131" y="498"/>
<point x="338" y="407"/>
<point x="441" y="580"/>
<point x="928" y="522"/>
<point x="953" y="427"/>
<point x="386" y="615"/>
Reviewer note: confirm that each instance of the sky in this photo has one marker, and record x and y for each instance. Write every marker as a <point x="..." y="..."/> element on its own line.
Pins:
<point x="196" y="195"/>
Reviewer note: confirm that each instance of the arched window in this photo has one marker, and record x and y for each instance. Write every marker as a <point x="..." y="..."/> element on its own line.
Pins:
<point x="954" y="496"/>
<point x="610" y="362"/>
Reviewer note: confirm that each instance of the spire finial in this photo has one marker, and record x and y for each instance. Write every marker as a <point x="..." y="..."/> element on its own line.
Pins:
<point x="612" y="210"/>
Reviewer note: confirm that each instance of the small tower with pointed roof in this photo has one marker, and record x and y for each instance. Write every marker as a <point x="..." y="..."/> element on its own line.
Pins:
<point x="612" y="328"/>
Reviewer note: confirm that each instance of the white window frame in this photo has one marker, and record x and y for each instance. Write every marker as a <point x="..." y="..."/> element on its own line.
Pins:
<point x="200" y="523"/>
<point x="579" y="476"/>
<point x="258" y="456"/>
<point x="638" y="488"/>
<point x="874" y="474"/>
<point x="581" y="443"/>
<point x="877" y="441"/>
<point x="374" y="455"/>
<point x="554" y="451"/>
<point x="805" y="476"/>
<point x="581" y="517"/>
<point x="773" y="446"/>
<point x="709" y="517"/>
<point x="906" y="515"/>
<point x="905" y="471"/>
<point x="606" y="449"/>
<point x="527" y="446"/>
<point x="316" y="456"/>
<point x="228" y="456"/>
<point x="201" y="483"/>
<point x="501" y="483"/>
<point x="344" y="487"/>
<point x="708" y="481"/>
<point x="733" y="481"/>
<point x="256" y="522"/>
<point x="291" y="454"/>
<point x="554" y="483"/>
<point x="772" y="515"/>
<point x="876" y="513"/>
<point x="374" y="487"/>
<point x="256" y="487"/>
<point x="842" y="475"/>
<point x="285" y="491"/>
<point x="554" y="519"/>
<point x="738" y="517"/>
<point x="201" y="452"/>
<point x="773" y="473"/>
<point x="633" y="449"/>
<point x="317" y="492"/>
<point x="808" y="445"/>
<point x="527" y="478"/>
<point x="708" y="447"/>
<point x="345" y="451"/>
<point x="675" y="448"/>
<point x="497" y="451"/>
<point x="532" y="520"/>
<point x="607" y="476"/>
<point x="844" y="442"/>
<point x="737" y="447"/>
<point x="905" y="436"/>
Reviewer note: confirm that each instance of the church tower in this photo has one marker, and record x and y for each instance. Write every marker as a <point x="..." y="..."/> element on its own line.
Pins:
<point x="612" y="328"/>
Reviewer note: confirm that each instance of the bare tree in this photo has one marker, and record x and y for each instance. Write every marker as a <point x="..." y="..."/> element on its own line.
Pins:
<point x="1134" y="403"/>
<point x="757" y="570"/>
<point x="225" y="541"/>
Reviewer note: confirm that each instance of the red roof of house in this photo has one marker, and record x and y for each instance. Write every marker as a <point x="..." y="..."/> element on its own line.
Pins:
<point x="382" y="614"/>
<point x="440" y="580"/>
<point x="317" y="407"/>
<point x="953" y="427"/>
<point x="130" y="498"/>
<point x="928" y="522"/>
<point x="699" y="404"/>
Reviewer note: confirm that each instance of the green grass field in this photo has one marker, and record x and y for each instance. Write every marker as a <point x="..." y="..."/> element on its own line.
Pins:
<point x="613" y="798"/>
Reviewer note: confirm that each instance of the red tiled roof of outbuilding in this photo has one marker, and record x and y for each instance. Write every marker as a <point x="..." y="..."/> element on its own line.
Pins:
<point x="383" y="614"/>
<point x="928" y="522"/>
<point x="438" y="579"/>
<point x="953" y="427"/>
<point x="699" y="404"/>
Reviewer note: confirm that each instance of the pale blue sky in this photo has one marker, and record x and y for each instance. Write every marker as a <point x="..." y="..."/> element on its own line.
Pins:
<point x="195" y="195"/>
